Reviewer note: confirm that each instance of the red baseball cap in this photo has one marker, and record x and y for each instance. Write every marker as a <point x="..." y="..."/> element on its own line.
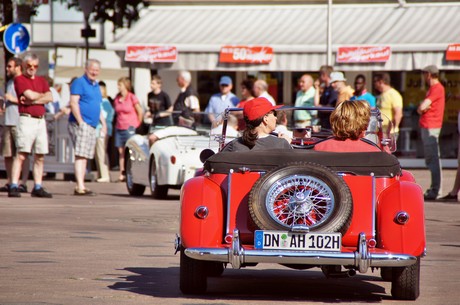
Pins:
<point x="257" y="108"/>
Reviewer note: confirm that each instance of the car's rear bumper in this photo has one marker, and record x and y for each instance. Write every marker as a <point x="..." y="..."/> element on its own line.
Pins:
<point x="361" y="259"/>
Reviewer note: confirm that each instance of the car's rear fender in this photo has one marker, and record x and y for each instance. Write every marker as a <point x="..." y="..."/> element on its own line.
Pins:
<point x="401" y="197"/>
<point x="365" y="191"/>
<point x="194" y="231"/>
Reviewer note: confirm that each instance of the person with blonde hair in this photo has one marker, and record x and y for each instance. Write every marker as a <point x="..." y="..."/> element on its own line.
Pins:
<point x="129" y="115"/>
<point x="349" y="123"/>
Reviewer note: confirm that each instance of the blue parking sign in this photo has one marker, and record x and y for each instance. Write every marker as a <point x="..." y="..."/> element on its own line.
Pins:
<point x="16" y="38"/>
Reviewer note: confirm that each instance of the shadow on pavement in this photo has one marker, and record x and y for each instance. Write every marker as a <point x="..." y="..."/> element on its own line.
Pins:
<point x="268" y="284"/>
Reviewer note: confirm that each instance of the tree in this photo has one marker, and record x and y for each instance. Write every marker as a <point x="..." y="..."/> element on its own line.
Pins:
<point x="122" y="13"/>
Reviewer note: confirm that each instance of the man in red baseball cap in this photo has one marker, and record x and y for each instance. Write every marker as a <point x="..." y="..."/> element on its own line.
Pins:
<point x="260" y="117"/>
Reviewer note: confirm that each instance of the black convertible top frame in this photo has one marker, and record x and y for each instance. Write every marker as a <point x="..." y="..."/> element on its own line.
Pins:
<point x="380" y="164"/>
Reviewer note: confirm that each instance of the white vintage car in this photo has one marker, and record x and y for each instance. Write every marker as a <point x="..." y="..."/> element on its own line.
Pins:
<point x="169" y="162"/>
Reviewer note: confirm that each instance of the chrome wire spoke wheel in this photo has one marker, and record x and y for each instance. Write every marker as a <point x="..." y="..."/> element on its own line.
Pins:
<point x="300" y="200"/>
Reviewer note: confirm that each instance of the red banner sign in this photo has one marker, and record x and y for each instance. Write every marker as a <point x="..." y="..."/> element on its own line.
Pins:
<point x="246" y="54"/>
<point x="363" y="54"/>
<point x="147" y="53"/>
<point x="453" y="52"/>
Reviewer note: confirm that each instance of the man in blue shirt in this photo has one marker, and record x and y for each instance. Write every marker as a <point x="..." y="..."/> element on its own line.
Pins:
<point x="85" y="104"/>
<point x="223" y="100"/>
<point x="361" y="92"/>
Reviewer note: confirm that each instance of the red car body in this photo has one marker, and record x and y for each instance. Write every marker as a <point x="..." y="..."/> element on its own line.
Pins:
<point x="376" y="208"/>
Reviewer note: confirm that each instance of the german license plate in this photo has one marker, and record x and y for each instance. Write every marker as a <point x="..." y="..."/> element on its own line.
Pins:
<point x="297" y="241"/>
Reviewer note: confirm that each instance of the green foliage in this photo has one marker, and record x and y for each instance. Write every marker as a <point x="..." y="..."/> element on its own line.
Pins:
<point x="122" y="13"/>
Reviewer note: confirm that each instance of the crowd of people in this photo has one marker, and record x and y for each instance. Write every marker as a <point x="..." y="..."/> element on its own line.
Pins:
<point x="95" y="119"/>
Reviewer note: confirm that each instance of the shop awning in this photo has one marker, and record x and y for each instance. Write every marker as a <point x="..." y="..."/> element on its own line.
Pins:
<point x="418" y="34"/>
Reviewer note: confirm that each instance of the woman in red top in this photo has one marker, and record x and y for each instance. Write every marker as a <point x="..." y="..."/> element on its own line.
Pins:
<point x="129" y="115"/>
<point x="349" y="123"/>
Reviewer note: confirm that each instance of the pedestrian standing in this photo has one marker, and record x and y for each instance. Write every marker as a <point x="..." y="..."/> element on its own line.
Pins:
<point x="9" y="136"/>
<point x="344" y="91"/>
<point x="33" y="94"/>
<point x="389" y="102"/>
<point x="85" y="105"/>
<point x="453" y="194"/>
<point x="222" y="100"/>
<point x="187" y="101"/>
<point x="159" y="103"/>
<point x="431" y="111"/>
<point x="129" y="117"/>
<point x="361" y="92"/>
<point x="328" y="97"/>
<point x="261" y="90"/>
<point x="102" y="138"/>
<point x="305" y="97"/>
<point x="247" y="94"/>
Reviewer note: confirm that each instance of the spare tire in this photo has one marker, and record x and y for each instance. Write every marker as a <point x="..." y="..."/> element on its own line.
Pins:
<point x="305" y="194"/>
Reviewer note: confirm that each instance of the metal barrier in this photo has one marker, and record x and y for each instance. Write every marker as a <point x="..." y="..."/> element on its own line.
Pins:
<point x="60" y="158"/>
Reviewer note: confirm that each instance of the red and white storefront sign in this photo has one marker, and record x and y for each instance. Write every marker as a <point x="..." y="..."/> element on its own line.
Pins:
<point x="148" y="53"/>
<point x="363" y="54"/>
<point x="453" y="52"/>
<point x="246" y="54"/>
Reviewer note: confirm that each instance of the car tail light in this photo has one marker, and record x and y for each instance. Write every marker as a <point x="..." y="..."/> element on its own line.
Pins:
<point x="228" y="238"/>
<point x="173" y="159"/>
<point x="201" y="212"/>
<point x="402" y="218"/>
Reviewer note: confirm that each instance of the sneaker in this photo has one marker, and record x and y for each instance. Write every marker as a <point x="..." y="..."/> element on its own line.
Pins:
<point x="449" y="197"/>
<point x="22" y="188"/>
<point x="84" y="192"/>
<point x="5" y="188"/>
<point x="430" y="195"/>
<point x="103" y="180"/>
<point x="41" y="193"/>
<point x="14" y="192"/>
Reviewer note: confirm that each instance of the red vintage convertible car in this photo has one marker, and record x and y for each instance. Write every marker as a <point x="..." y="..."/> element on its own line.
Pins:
<point x="341" y="212"/>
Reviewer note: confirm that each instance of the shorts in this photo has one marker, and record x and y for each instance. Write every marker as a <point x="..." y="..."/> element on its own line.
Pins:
<point x="83" y="137"/>
<point x="122" y="135"/>
<point x="9" y="136"/>
<point x="32" y="136"/>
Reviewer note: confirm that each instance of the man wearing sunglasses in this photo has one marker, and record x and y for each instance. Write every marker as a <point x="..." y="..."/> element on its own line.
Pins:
<point x="33" y="93"/>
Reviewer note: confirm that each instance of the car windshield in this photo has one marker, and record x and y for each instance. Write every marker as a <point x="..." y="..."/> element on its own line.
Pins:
<point x="381" y="135"/>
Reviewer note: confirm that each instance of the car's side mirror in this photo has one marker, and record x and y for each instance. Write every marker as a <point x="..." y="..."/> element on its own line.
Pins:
<point x="206" y="154"/>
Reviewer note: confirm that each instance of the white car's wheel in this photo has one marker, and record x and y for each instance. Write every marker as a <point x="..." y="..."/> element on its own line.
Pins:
<point x="134" y="189"/>
<point x="158" y="191"/>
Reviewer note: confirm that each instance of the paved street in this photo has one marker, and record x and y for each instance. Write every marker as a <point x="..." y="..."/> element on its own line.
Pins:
<point x="115" y="249"/>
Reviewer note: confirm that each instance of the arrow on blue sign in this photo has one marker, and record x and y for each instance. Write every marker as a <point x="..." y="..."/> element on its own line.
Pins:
<point x="16" y="38"/>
